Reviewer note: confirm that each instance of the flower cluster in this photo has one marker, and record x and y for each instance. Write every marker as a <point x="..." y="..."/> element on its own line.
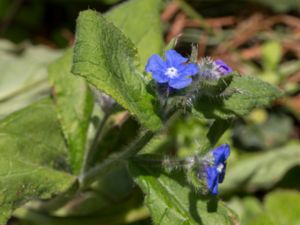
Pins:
<point x="208" y="171"/>
<point x="178" y="73"/>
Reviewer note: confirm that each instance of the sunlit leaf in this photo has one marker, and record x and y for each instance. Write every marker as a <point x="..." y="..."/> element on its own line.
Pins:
<point x="32" y="157"/>
<point x="143" y="28"/>
<point x="107" y="59"/>
<point x="238" y="98"/>
<point x="74" y="103"/>
<point x="171" y="201"/>
<point x="23" y="77"/>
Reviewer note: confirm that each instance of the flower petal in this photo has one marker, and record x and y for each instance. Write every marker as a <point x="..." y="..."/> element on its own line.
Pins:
<point x="190" y="69"/>
<point x="214" y="191"/>
<point x="221" y="154"/>
<point x="180" y="83"/>
<point x="212" y="180"/>
<point x="174" y="59"/>
<point x="222" y="174"/>
<point x="155" y="64"/>
<point x="160" y="77"/>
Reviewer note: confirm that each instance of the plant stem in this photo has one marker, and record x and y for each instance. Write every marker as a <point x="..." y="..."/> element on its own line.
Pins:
<point x="91" y="152"/>
<point x="115" y="160"/>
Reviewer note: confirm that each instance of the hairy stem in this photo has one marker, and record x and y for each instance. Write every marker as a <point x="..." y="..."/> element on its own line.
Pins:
<point x="115" y="160"/>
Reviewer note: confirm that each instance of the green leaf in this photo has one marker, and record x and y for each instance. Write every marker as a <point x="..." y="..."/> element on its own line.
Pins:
<point x="281" y="207"/>
<point x="171" y="201"/>
<point x="195" y="136"/>
<point x="23" y="77"/>
<point x="275" y="131"/>
<point x="143" y="28"/>
<point x="127" y="212"/>
<point x="271" y="55"/>
<point x="74" y="104"/>
<point x="120" y="132"/>
<point x="247" y="208"/>
<point x="216" y="131"/>
<point x="237" y="98"/>
<point x="113" y="189"/>
<point x="261" y="171"/>
<point x="107" y="59"/>
<point x="32" y="157"/>
<point x="189" y="136"/>
<point x="262" y="219"/>
<point x="276" y="206"/>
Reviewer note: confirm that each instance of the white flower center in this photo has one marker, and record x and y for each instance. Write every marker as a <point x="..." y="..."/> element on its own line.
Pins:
<point x="171" y="72"/>
<point x="220" y="167"/>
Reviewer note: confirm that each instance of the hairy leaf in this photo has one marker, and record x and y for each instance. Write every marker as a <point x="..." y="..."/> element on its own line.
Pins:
<point x="32" y="157"/>
<point x="143" y="28"/>
<point x="74" y="103"/>
<point x="107" y="59"/>
<point x="236" y="98"/>
<point x="171" y="201"/>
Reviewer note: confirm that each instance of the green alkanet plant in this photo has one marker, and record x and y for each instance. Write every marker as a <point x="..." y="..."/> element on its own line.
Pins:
<point x="71" y="153"/>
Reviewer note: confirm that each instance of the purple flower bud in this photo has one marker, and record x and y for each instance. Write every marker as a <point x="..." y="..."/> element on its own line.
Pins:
<point x="222" y="67"/>
<point x="213" y="69"/>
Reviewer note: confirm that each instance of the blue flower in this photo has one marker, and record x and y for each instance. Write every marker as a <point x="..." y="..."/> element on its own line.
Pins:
<point x="174" y="71"/>
<point x="215" y="173"/>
